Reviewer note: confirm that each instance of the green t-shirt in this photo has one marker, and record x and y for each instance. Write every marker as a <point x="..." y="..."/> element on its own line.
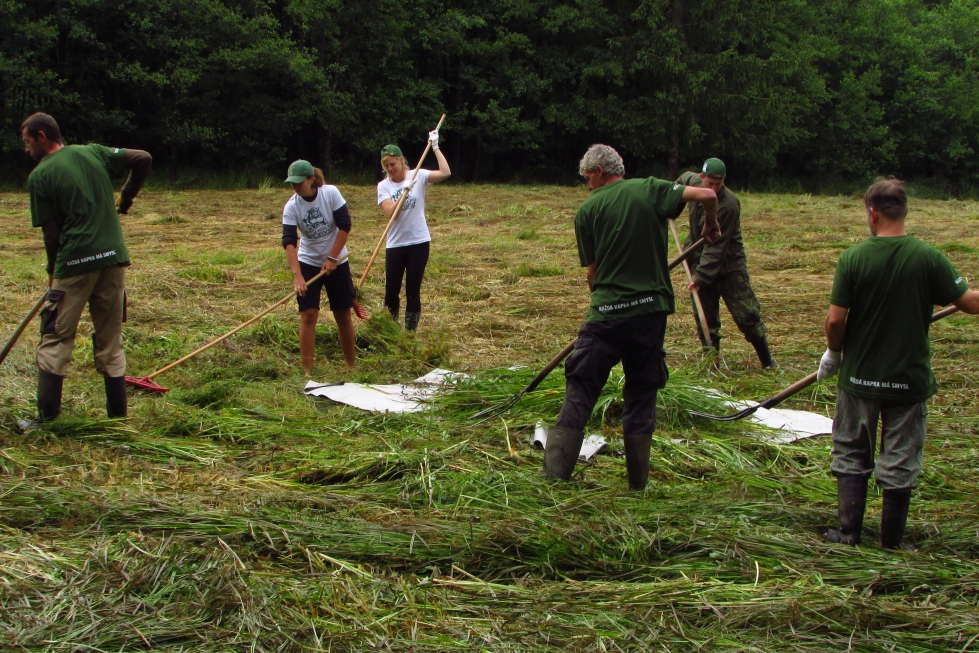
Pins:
<point x="890" y="286"/>
<point x="622" y="228"/>
<point x="73" y="187"/>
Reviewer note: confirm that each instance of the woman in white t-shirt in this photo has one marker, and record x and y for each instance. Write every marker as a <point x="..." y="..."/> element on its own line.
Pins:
<point x="408" y="239"/>
<point x="317" y="220"/>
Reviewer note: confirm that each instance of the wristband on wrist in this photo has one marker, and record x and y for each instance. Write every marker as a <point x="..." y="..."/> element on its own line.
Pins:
<point x="330" y="258"/>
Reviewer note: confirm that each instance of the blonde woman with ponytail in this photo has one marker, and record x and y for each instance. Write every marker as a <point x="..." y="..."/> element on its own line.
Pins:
<point x="408" y="240"/>
<point x="315" y="227"/>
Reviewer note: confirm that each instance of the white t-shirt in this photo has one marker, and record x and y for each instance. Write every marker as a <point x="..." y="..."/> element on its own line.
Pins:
<point x="410" y="228"/>
<point x="317" y="230"/>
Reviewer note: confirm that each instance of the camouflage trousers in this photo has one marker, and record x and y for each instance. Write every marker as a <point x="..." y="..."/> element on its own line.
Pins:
<point x="735" y="289"/>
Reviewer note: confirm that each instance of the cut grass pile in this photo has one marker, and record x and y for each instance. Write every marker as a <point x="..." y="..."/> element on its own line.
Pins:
<point x="235" y="514"/>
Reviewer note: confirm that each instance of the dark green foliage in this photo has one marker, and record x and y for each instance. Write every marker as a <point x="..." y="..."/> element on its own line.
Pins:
<point x="821" y="92"/>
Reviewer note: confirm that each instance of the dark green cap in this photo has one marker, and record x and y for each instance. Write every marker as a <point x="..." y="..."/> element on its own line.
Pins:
<point x="714" y="168"/>
<point x="298" y="172"/>
<point x="391" y="150"/>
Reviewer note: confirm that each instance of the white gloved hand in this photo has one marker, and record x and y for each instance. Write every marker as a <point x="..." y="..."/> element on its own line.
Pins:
<point x="409" y="184"/>
<point x="829" y="364"/>
<point x="433" y="138"/>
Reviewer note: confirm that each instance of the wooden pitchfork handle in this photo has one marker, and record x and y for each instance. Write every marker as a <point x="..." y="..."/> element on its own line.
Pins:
<point x="23" y="325"/>
<point x="792" y="389"/>
<point x="397" y="209"/>
<point x="809" y="380"/>
<point x="704" y="331"/>
<point x="233" y="331"/>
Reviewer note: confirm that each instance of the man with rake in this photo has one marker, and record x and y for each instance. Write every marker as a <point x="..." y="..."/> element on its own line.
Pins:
<point x="720" y="270"/>
<point x="877" y="338"/>
<point x="72" y="202"/>
<point x="621" y="230"/>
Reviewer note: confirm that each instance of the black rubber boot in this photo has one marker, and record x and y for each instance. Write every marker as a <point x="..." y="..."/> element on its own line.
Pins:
<point x="851" y="492"/>
<point x="411" y="320"/>
<point x="764" y="354"/>
<point x="115" y="396"/>
<point x="894" y="517"/>
<point x="49" y="387"/>
<point x="561" y="451"/>
<point x="637" y="460"/>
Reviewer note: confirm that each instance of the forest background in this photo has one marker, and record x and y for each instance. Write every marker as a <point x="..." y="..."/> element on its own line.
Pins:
<point x="813" y="96"/>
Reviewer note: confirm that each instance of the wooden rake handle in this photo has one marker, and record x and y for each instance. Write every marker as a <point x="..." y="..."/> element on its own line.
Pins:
<point x="233" y="331"/>
<point x="23" y="325"/>
<point x="809" y="380"/>
<point x="704" y="331"/>
<point x="397" y="209"/>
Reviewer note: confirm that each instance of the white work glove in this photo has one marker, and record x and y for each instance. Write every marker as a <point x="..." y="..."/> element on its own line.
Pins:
<point x="829" y="364"/>
<point x="409" y="184"/>
<point x="433" y="138"/>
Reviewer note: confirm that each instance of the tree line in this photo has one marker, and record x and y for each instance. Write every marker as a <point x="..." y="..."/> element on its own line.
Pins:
<point x="817" y="91"/>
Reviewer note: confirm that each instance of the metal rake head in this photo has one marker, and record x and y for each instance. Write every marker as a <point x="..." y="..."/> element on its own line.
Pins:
<point x="493" y="411"/>
<point x="733" y="417"/>
<point x="146" y="383"/>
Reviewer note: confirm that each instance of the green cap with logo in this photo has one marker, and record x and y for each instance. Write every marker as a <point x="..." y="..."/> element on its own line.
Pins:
<point x="391" y="150"/>
<point x="298" y="172"/>
<point x="714" y="168"/>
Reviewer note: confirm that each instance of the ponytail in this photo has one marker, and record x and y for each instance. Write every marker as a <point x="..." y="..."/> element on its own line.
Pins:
<point x="318" y="178"/>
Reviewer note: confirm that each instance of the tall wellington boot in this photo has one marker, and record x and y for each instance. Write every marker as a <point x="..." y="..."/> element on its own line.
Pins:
<point x="49" y="387"/>
<point x="115" y="396"/>
<point x="851" y="492"/>
<point x="764" y="354"/>
<point x="894" y="517"/>
<point x="561" y="451"/>
<point x="411" y="320"/>
<point x="637" y="460"/>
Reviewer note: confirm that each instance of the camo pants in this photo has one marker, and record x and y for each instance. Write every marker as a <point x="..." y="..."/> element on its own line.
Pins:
<point x="735" y="289"/>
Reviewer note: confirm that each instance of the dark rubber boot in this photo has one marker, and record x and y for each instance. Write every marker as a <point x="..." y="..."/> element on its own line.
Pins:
<point x="49" y="387"/>
<point x="851" y="492"/>
<point x="411" y="320"/>
<point x="894" y="517"/>
<point x="764" y="354"/>
<point x="115" y="396"/>
<point x="561" y="452"/>
<point x="637" y="460"/>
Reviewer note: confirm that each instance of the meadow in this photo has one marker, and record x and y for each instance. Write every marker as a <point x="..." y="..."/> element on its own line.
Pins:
<point x="236" y="514"/>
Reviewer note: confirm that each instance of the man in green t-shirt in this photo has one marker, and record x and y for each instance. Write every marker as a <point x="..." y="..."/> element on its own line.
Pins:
<point x="877" y="338"/>
<point x="720" y="270"/>
<point x="621" y="231"/>
<point x="72" y="202"/>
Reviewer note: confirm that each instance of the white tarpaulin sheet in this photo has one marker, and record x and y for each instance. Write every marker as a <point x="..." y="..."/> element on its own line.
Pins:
<point x="591" y="445"/>
<point x="394" y="398"/>
<point x="791" y="424"/>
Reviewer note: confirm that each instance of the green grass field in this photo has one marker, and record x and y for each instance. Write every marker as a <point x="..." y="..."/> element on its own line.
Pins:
<point x="236" y="514"/>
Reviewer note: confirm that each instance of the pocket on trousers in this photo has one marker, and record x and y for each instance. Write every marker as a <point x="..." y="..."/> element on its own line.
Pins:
<point x="49" y="314"/>
<point x="664" y="371"/>
<point x="125" y="307"/>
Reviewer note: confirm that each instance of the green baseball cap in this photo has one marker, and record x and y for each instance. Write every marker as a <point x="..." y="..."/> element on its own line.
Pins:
<point x="714" y="168"/>
<point x="391" y="150"/>
<point x="298" y="172"/>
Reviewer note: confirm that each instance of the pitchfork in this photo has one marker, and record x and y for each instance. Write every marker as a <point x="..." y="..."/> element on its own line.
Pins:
<point x="499" y="409"/>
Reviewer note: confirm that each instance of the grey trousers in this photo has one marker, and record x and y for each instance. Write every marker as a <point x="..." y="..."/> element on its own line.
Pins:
<point x="902" y="440"/>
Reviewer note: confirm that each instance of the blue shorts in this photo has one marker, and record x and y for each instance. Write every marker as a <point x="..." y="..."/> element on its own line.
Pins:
<point x="339" y="288"/>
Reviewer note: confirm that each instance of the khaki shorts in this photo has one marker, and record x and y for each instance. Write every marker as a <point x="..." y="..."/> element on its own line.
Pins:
<point x="902" y="440"/>
<point x="105" y="293"/>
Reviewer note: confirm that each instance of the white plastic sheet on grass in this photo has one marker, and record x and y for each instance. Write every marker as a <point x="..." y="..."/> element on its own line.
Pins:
<point x="392" y="398"/>
<point x="591" y="445"/>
